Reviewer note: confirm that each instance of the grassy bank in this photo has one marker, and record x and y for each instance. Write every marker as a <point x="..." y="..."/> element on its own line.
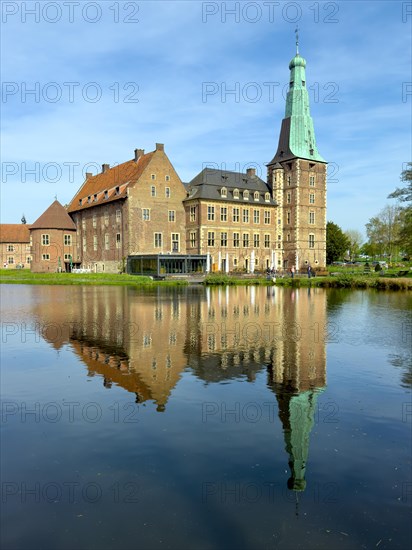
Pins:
<point x="349" y="281"/>
<point x="20" y="276"/>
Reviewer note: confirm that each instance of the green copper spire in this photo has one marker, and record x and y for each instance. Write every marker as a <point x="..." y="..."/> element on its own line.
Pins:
<point x="297" y="135"/>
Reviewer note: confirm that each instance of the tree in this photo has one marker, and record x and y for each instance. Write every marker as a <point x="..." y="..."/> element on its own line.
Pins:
<point x="336" y="242"/>
<point x="383" y="230"/>
<point x="355" y="242"/>
<point x="404" y="195"/>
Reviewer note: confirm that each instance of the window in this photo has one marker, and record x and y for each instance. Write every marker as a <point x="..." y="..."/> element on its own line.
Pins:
<point x="67" y="257"/>
<point x="106" y="218"/>
<point x="158" y="240"/>
<point x="256" y="240"/>
<point x="28" y="248"/>
<point x="118" y="216"/>
<point x="267" y="240"/>
<point x="167" y="178"/>
<point x="267" y="217"/>
<point x="106" y="194"/>
<point x="172" y="215"/>
<point x="223" y="239"/>
<point x="146" y="214"/>
<point x="245" y="215"/>
<point x="80" y="202"/>
<point x="236" y="214"/>
<point x="245" y="240"/>
<point x="152" y="190"/>
<point x="210" y="238"/>
<point x="175" y="242"/>
<point x="10" y="248"/>
<point x="311" y="198"/>
<point x="118" y="240"/>
<point x="256" y="216"/>
<point x="153" y="176"/>
<point x="288" y="237"/>
<point x="94" y="220"/>
<point x="84" y="244"/>
<point x="235" y="262"/>
<point x="89" y="199"/>
<point x="287" y="217"/>
<point x="44" y="257"/>
<point x="45" y="239"/>
<point x="312" y="180"/>
<point x="311" y="240"/>
<point x="84" y="225"/>
<point x="167" y="192"/>
<point x="246" y="195"/>
<point x="193" y="213"/>
<point x="279" y="245"/>
<point x="288" y="198"/>
<point x="256" y="195"/>
<point x="211" y="213"/>
<point x="223" y="214"/>
<point x="95" y="242"/>
<point x="67" y="240"/>
<point x="28" y="259"/>
<point x="116" y="191"/>
<point x="223" y="192"/>
<point x="235" y="193"/>
<point x="267" y="197"/>
<point x="236" y="240"/>
<point x="279" y="238"/>
<point x="106" y="241"/>
<point x="311" y="218"/>
<point x="288" y="180"/>
<point x="193" y="239"/>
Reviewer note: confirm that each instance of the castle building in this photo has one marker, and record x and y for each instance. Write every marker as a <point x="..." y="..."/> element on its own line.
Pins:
<point x="15" y="245"/>
<point x="141" y="218"/>
<point x="297" y="176"/>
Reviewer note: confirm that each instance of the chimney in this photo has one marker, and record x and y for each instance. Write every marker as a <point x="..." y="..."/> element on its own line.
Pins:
<point x="138" y="153"/>
<point x="88" y="175"/>
<point x="160" y="147"/>
<point x="251" y="172"/>
<point x="105" y="167"/>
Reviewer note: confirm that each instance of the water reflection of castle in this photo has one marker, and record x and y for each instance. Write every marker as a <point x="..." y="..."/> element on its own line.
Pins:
<point x="143" y="342"/>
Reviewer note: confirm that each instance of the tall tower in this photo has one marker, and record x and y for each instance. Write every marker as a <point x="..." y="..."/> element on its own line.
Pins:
<point x="297" y="175"/>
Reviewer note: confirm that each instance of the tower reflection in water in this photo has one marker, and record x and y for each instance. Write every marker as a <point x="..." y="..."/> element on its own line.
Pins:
<point x="143" y="342"/>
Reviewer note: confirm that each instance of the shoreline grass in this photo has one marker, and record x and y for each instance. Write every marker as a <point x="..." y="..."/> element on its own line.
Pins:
<point x="8" y="276"/>
<point x="340" y="280"/>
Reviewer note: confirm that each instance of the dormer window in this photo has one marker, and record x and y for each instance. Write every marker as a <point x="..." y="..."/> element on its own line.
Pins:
<point x="80" y="202"/>
<point x="256" y="195"/>
<point x="106" y="194"/>
<point x="95" y="197"/>
<point x="117" y="190"/>
<point x="246" y="195"/>
<point x="89" y="199"/>
<point x="291" y="83"/>
<point x="235" y="193"/>
<point x="223" y="192"/>
<point x="267" y="197"/>
<point x="311" y="151"/>
<point x="303" y="83"/>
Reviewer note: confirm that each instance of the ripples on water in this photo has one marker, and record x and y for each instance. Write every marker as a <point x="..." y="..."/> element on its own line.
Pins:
<point x="205" y="418"/>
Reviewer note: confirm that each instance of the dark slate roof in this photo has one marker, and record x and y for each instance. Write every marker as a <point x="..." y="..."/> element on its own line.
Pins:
<point x="209" y="182"/>
<point x="55" y="217"/>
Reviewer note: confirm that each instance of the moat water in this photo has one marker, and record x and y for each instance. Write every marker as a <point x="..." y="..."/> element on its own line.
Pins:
<point x="186" y="418"/>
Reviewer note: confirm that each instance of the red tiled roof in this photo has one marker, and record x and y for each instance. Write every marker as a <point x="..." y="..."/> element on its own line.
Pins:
<point x="109" y="185"/>
<point x="55" y="217"/>
<point x="14" y="233"/>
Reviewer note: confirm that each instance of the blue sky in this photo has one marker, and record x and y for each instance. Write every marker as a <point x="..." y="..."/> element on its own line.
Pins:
<point x="145" y="72"/>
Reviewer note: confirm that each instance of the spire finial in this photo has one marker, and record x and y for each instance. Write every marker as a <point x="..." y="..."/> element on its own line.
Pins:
<point x="297" y="40"/>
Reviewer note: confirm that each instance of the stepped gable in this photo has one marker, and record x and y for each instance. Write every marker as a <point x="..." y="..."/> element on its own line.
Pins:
<point x="110" y="185"/>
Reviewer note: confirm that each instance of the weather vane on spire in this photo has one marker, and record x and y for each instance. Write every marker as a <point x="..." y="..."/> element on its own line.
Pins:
<point x="297" y="40"/>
